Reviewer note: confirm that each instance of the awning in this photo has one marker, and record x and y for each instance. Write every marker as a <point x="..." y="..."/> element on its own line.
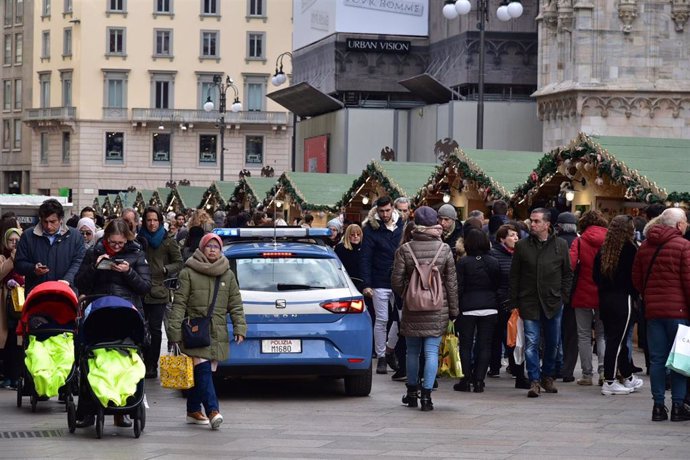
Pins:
<point x="429" y="89"/>
<point x="304" y="100"/>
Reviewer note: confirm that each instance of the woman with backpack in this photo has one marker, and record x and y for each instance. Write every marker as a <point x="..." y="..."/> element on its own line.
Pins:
<point x="425" y="317"/>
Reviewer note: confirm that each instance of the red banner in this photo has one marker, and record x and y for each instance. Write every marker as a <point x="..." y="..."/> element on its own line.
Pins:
<point x="316" y="154"/>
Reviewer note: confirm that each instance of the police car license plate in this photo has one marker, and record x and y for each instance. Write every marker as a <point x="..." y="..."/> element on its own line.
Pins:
<point x="281" y="346"/>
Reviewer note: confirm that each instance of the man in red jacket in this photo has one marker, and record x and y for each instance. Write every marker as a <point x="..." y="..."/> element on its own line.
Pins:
<point x="661" y="273"/>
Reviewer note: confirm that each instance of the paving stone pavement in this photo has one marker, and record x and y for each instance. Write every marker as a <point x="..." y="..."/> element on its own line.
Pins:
<point x="313" y="419"/>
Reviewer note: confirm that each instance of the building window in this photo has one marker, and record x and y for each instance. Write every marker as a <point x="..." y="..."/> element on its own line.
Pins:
<point x="115" y="96"/>
<point x="161" y="147"/>
<point x="255" y="96"/>
<point x="7" y="57"/>
<point x="18" y="48"/>
<point x="163" y="42"/>
<point x="209" y="44"/>
<point x="18" y="94"/>
<point x="66" y="89"/>
<point x="67" y="7"/>
<point x="8" y="13"/>
<point x="255" y="45"/>
<point x="19" y="12"/>
<point x="162" y="90"/>
<point x="117" y="6"/>
<point x="114" y="147"/>
<point x="257" y="8"/>
<point x="44" y="149"/>
<point x="65" y="147"/>
<point x="207" y="148"/>
<point x="45" y="9"/>
<point x="210" y="7"/>
<point x="17" y="133"/>
<point x="45" y="44"/>
<point x="254" y="150"/>
<point x="163" y="6"/>
<point x="67" y="42"/>
<point x="116" y="41"/>
<point x="6" y="133"/>
<point x="7" y="95"/>
<point x="44" y="85"/>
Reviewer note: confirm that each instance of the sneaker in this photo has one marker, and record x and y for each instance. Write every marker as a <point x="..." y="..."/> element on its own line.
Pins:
<point x="585" y="381"/>
<point x="615" y="388"/>
<point x="633" y="383"/>
<point x="392" y="361"/>
<point x="399" y="376"/>
<point x="548" y="385"/>
<point x="196" y="418"/>
<point x="382" y="366"/>
<point x="216" y="419"/>
<point x="534" y="390"/>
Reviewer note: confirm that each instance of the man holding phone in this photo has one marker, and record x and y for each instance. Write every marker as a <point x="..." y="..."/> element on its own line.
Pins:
<point x="50" y="251"/>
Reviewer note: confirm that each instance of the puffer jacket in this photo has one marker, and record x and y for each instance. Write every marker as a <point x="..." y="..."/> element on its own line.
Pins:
<point x="667" y="294"/>
<point x="167" y="256"/>
<point x="425" y="242"/>
<point x="378" y="248"/>
<point x="504" y="258"/>
<point x="132" y="285"/>
<point x="583" y="249"/>
<point x="193" y="298"/>
<point x="478" y="281"/>
<point x="540" y="276"/>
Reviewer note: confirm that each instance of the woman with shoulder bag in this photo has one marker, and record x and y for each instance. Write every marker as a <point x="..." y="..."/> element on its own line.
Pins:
<point x="12" y="351"/>
<point x="207" y="283"/>
<point x="422" y="328"/>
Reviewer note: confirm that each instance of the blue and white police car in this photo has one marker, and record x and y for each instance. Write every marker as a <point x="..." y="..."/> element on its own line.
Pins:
<point x="304" y="315"/>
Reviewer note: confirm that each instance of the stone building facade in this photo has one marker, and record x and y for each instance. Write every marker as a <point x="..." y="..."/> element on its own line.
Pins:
<point x="613" y="68"/>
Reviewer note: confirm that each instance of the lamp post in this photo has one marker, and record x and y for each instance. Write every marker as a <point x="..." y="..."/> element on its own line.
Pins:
<point x="509" y="9"/>
<point x="235" y="107"/>
<point x="278" y="79"/>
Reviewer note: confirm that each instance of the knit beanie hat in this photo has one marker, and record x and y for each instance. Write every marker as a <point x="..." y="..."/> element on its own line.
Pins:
<point x="207" y="238"/>
<point x="425" y="216"/>
<point x="336" y="224"/>
<point x="447" y="210"/>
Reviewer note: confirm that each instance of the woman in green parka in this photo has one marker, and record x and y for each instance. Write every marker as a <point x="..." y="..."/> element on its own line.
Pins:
<point x="193" y="299"/>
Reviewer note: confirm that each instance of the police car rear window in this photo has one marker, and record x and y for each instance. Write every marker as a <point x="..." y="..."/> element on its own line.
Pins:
<point x="293" y="273"/>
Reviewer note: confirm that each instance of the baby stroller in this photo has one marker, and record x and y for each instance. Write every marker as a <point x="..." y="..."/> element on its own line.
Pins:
<point x="47" y="326"/>
<point x="112" y="325"/>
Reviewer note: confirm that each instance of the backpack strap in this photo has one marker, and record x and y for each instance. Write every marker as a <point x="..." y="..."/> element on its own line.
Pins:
<point x="649" y="269"/>
<point x="433" y="261"/>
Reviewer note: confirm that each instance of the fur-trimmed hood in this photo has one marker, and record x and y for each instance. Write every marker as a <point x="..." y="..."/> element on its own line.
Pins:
<point x="374" y="221"/>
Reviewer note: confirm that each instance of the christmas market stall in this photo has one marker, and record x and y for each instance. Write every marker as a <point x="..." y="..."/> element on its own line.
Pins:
<point x="390" y="178"/>
<point x="145" y="198"/>
<point x="298" y="193"/>
<point x="616" y="175"/>
<point x="218" y="196"/>
<point x="472" y="179"/>
<point x="253" y="191"/>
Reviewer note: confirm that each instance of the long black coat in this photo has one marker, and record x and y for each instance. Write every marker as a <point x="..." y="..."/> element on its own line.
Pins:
<point x="478" y="280"/>
<point x="132" y="285"/>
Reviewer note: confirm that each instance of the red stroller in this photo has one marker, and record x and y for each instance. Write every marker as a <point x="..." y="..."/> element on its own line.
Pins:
<point x="50" y="309"/>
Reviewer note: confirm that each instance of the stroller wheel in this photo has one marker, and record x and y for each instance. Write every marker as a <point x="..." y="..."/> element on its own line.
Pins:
<point x="71" y="414"/>
<point x="20" y="389"/>
<point x="142" y="415"/>
<point x="137" y="427"/>
<point x="34" y="400"/>
<point x="100" y="419"/>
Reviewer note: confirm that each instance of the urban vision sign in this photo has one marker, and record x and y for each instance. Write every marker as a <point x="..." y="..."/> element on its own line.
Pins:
<point x="378" y="46"/>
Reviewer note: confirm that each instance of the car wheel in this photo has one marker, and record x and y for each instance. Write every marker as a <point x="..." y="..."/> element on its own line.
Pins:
<point x="358" y="385"/>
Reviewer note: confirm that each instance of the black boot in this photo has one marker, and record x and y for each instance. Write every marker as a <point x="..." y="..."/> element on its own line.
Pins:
<point x="410" y="399"/>
<point x="463" y="385"/>
<point x="680" y="412"/>
<point x="479" y="386"/>
<point x="427" y="405"/>
<point x="659" y="413"/>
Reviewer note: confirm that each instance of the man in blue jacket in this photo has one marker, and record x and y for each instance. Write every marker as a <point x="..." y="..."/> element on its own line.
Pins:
<point x="50" y="251"/>
<point x="382" y="234"/>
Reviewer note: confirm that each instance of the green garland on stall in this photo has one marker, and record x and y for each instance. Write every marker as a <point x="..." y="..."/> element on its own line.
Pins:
<point x="375" y="171"/>
<point x="679" y="197"/>
<point x="467" y="172"/>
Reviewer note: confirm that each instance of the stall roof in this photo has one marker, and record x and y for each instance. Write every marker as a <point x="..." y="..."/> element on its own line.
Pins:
<point x="226" y="189"/>
<point x="319" y="189"/>
<point x="191" y="195"/>
<point x="260" y="186"/>
<point x="664" y="161"/>
<point x="163" y="194"/>
<point x="408" y="178"/>
<point x="127" y="199"/>
<point x="304" y="100"/>
<point x="507" y="168"/>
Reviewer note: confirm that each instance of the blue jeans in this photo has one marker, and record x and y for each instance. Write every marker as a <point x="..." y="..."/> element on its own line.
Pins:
<point x="414" y="348"/>
<point x="660" y="336"/>
<point x="203" y="391"/>
<point x="552" y="337"/>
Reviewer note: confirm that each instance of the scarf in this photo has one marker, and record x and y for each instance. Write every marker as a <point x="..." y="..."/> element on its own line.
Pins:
<point x="199" y="263"/>
<point x="421" y="232"/>
<point x="508" y="250"/>
<point x="153" y="239"/>
<point x="449" y="232"/>
<point x="108" y="250"/>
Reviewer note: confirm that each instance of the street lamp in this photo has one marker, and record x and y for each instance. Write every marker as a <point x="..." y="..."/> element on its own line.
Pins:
<point x="235" y="107"/>
<point x="279" y="77"/>
<point x="509" y="9"/>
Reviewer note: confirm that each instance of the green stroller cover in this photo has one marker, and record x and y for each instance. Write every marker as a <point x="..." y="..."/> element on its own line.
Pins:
<point x="49" y="362"/>
<point x="114" y="374"/>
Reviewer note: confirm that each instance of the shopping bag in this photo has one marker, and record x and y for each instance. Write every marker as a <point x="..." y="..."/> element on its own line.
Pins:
<point x="17" y="298"/>
<point x="449" y="355"/>
<point x="177" y="371"/>
<point x="519" y="351"/>
<point x="679" y="358"/>
<point x="511" y="332"/>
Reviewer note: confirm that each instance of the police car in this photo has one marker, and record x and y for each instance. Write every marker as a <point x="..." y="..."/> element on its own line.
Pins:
<point x="304" y="314"/>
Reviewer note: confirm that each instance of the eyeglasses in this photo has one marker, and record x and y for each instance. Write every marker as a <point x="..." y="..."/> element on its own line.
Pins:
<point x="212" y="246"/>
<point x="86" y="232"/>
<point x="116" y="244"/>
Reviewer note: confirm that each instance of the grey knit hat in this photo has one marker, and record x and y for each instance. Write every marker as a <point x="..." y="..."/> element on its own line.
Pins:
<point x="447" y="210"/>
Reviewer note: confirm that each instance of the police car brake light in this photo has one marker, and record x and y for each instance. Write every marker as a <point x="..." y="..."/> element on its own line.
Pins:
<point x="344" y="305"/>
<point x="276" y="254"/>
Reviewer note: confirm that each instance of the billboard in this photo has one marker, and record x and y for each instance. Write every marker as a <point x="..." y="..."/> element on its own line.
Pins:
<point x="316" y="154"/>
<point x="316" y="19"/>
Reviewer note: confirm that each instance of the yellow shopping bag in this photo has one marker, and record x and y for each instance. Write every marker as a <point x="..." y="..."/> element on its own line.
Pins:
<point x="449" y="355"/>
<point x="17" y="298"/>
<point x="177" y="371"/>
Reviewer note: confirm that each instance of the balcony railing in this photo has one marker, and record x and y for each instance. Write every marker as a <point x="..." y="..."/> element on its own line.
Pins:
<point x="51" y="114"/>
<point x="201" y="116"/>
